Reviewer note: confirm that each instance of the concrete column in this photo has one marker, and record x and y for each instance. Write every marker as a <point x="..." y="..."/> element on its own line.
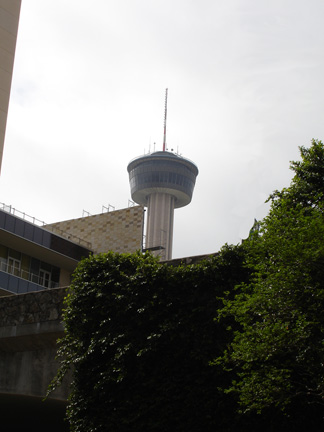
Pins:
<point x="9" y="18"/>
<point x="159" y="231"/>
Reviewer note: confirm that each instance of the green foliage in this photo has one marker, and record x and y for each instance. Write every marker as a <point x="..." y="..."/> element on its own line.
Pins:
<point x="140" y="336"/>
<point x="278" y="349"/>
<point x="307" y="186"/>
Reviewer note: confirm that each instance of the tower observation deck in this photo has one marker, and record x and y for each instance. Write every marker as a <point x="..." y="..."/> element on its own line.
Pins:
<point x="161" y="181"/>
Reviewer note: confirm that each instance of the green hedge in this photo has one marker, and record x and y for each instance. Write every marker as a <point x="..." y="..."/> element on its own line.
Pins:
<point x="141" y="337"/>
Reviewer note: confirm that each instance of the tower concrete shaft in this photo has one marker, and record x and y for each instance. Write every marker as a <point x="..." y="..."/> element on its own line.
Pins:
<point x="159" y="229"/>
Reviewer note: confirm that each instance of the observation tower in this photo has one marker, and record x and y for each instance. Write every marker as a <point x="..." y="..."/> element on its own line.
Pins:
<point x="161" y="181"/>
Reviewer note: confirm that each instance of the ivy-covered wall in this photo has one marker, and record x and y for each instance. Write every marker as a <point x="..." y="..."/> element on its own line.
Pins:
<point x="141" y="337"/>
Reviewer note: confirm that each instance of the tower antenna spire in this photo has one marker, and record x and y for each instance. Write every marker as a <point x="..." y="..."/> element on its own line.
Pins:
<point x="165" y="117"/>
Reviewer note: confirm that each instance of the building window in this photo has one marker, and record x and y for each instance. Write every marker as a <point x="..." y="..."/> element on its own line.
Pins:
<point x="13" y="266"/>
<point x="14" y="262"/>
<point x="45" y="278"/>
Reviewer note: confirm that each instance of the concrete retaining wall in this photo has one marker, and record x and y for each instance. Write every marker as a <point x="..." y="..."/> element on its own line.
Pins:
<point x="30" y="325"/>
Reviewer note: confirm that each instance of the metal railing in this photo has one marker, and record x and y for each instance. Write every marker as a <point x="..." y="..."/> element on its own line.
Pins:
<point x="42" y="224"/>
<point x="23" y="274"/>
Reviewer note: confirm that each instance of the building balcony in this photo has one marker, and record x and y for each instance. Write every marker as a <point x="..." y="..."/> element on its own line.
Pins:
<point x="16" y="284"/>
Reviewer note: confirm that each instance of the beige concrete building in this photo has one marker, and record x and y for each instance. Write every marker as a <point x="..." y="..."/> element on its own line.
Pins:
<point x="9" y="18"/>
<point x="120" y="230"/>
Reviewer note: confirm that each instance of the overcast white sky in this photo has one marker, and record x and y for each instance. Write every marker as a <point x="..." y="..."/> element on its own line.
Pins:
<point x="245" y="80"/>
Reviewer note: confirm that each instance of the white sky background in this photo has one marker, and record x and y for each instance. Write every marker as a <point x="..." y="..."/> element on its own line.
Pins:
<point x="245" y="81"/>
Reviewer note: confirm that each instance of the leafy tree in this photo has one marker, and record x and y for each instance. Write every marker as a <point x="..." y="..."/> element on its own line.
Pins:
<point x="141" y="336"/>
<point x="307" y="186"/>
<point x="277" y="352"/>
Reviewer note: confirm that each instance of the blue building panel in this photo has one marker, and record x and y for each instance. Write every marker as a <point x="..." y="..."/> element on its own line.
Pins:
<point x="9" y="223"/>
<point x="19" y="227"/>
<point x="4" y="280"/>
<point x="16" y="285"/>
<point x="28" y="231"/>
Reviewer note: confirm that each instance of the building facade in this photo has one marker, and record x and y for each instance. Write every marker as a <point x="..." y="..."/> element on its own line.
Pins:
<point x="9" y="19"/>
